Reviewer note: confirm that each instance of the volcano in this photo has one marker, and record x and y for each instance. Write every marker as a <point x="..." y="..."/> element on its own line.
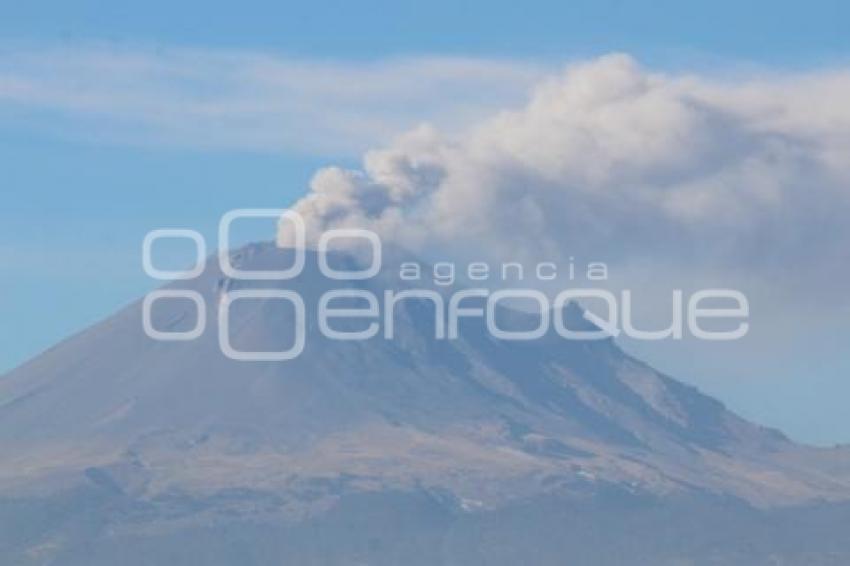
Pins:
<point x="121" y="449"/>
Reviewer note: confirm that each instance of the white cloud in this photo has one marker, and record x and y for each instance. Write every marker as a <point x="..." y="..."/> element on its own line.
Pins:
<point x="745" y="181"/>
<point x="605" y="161"/>
<point x="247" y="100"/>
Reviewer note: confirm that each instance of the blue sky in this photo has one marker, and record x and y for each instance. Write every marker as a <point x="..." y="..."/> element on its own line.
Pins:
<point x="79" y="193"/>
<point x="779" y="31"/>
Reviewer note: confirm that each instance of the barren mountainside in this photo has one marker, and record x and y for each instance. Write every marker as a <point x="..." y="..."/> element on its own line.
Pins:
<point x="111" y="441"/>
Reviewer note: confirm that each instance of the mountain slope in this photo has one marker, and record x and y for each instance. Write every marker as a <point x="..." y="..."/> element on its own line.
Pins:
<point x="183" y="435"/>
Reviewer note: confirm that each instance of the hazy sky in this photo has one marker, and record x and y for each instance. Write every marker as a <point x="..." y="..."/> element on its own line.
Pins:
<point x="116" y="120"/>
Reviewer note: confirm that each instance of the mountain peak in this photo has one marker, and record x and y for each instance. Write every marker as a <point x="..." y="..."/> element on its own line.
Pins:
<point x="485" y="419"/>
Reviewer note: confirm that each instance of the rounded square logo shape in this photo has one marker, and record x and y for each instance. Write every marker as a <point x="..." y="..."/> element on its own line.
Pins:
<point x="331" y="273"/>
<point x="169" y="275"/>
<point x="244" y="294"/>
<point x="282" y="215"/>
<point x="194" y="296"/>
